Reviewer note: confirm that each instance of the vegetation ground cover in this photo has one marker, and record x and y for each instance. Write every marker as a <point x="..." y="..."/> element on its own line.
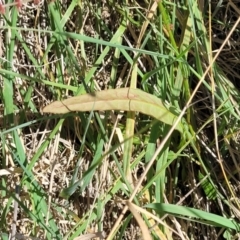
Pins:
<point x="142" y="140"/>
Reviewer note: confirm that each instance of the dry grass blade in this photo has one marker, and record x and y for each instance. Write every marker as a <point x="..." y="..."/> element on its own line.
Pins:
<point x="150" y="15"/>
<point x="145" y="232"/>
<point x="150" y="215"/>
<point x="88" y="236"/>
<point x="9" y="171"/>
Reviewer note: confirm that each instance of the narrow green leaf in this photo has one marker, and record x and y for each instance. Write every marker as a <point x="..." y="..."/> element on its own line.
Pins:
<point x="194" y="214"/>
<point x="207" y="186"/>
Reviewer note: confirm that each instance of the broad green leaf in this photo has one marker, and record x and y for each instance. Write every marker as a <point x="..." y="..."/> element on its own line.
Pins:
<point x="126" y="99"/>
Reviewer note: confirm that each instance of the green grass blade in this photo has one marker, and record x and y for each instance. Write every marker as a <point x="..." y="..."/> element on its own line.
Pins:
<point x="195" y="214"/>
